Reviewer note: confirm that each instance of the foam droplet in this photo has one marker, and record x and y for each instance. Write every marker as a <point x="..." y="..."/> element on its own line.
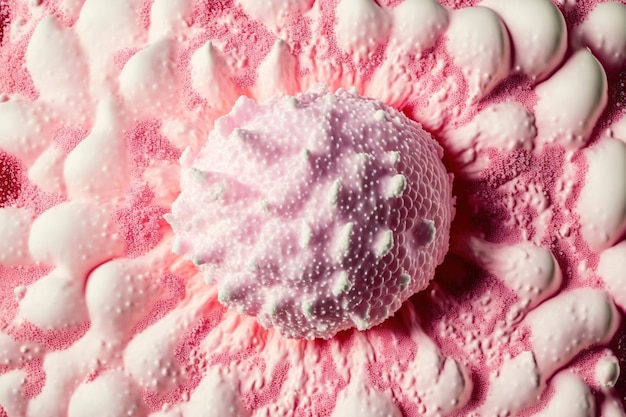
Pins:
<point x="479" y="45"/>
<point x="210" y="77"/>
<point x="564" y="115"/>
<point x="277" y="72"/>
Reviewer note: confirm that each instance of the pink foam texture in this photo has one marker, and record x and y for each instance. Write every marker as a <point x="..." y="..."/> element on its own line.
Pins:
<point x="99" y="318"/>
<point x="315" y="213"/>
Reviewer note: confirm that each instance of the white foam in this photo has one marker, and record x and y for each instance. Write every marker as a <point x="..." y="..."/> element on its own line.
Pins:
<point x="23" y="129"/>
<point x="361" y="27"/>
<point x="417" y="24"/>
<point x="277" y="72"/>
<point x="97" y="166"/>
<point x="47" y="171"/>
<point x="565" y="115"/>
<point x="12" y="391"/>
<point x="602" y="202"/>
<point x="514" y="387"/>
<point x="54" y="302"/>
<point x="168" y="18"/>
<point x="360" y="401"/>
<point x="149" y="81"/>
<point x="111" y="394"/>
<point x="566" y="325"/>
<point x="14" y="228"/>
<point x="58" y="68"/>
<point x="610" y="269"/>
<point x="604" y="31"/>
<point x="529" y="270"/>
<point x="210" y="77"/>
<point x="571" y="398"/>
<point x="479" y="45"/>
<point x="149" y="357"/>
<point x="84" y="236"/>
<point x="118" y="294"/>
<point x="118" y="19"/>
<point x="538" y="34"/>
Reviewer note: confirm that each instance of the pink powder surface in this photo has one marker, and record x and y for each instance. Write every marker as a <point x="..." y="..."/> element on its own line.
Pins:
<point x="99" y="100"/>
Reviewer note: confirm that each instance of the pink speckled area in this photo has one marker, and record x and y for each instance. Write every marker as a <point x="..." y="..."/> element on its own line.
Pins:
<point x="107" y="105"/>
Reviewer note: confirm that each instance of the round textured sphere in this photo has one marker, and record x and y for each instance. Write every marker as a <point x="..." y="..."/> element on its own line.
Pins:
<point x="315" y="213"/>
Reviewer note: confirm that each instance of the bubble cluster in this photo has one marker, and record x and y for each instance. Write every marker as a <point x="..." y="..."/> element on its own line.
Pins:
<point x="10" y="178"/>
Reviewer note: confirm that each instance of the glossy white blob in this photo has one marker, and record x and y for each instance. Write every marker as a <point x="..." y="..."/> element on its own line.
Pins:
<point x="47" y="171"/>
<point x="604" y="32"/>
<point x="452" y="391"/>
<point x="538" y="34"/>
<point x="84" y="236"/>
<point x="515" y="386"/>
<point x="530" y="271"/>
<point x="157" y="341"/>
<point x="14" y="353"/>
<point x="565" y="115"/>
<point x="118" y="294"/>
<point x="168" y="18"/>
<point x="362" y="26"/>
<point x="58" y="68"/>
<point x="602" y="202"/>
<point x="119" y="20"/>
<point x="361" y="401"/>
<point x="111" y="394"/>
<point x="571" y="398"/>
<point x="453" y="386"/>
<point x="506" y="126"/>
<point x="14" y="228"/>
<point x="607" y="371"/>
<point x="54" y="302"/>
<point x="479" y="44"/>
<point x="566" y="325"/>
<point x="65" y="370"/>
<point x="149" y="80"/>
<point x="610" y="269"/>
<point x="12" y="391"/>
<point x="417" y="24"/>
<point x="215" y="396"/>
<point x="102" y="154"/>
<point x="23" y="129"/>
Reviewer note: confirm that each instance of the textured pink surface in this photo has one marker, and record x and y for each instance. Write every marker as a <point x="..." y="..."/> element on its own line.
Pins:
<point x="99" y="100"/>
<point x="315" y="213"/>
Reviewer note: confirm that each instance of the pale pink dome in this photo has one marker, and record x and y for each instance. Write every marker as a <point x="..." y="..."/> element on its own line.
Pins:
<point x="315" y="213"/>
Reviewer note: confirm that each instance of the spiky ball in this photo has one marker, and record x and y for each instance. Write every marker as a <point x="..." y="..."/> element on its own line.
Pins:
<point x="315" y="213"/>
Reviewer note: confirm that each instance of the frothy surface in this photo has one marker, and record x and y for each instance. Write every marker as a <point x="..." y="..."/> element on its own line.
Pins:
<point x="99" y="317"/>
<point x="315" y="213"/>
